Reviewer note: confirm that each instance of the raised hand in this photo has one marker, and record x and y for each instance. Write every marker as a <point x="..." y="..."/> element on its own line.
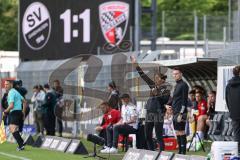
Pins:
<point x="133" y="59"/>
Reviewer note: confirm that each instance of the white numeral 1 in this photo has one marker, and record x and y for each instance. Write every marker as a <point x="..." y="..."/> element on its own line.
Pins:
<point x="66" y="17"/>
<point x="85" y="16"/>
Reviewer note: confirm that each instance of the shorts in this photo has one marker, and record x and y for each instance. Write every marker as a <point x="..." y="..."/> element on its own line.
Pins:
<point x="16" y="118"/>
<point x="179" y="126"/>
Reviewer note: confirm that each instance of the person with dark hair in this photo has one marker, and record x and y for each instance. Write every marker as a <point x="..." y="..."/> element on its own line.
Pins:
<point x="110" y="117"/>
<point x="17" y="84"/>
<point x="4" y="105"/>
<point x="16" y="109"/>
<point x="211" y="101"/>
<point x="160" y="91"/>
<point x="49" y="106"/>
<point x="201" y="117"/>
<point x="57" y="88"/>
<point x="191" y="107"/>
<point x="126" y="125"/>
<point x="192" y="100"/>
<point x="179" y="105"/>
<point x="38" y="100"/>
<point x="232" y="100"/>
<point x="113" y="98"/>
<point x="60" y="102"/>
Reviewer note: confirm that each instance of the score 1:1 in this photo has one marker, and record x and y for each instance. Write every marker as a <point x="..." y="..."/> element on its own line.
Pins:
<point x="66" y="17"/>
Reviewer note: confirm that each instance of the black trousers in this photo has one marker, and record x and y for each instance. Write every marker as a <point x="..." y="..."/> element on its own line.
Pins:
<point x="49" y="123"/>
<point x="103" y="134"/>
<point x="154" y="120"/>
<point x="113" y="133"/>
<point x="60" y="126"/>
<point x="236" y="131"/>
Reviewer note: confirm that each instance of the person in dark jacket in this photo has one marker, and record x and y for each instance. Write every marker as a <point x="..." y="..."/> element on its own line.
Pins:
<point x="160" y="90"/>
<point x="4" y="106"/>
<point x="233" y="101"/>
<point x="59" y="94"/>
<point x="113" y="98"/>
<point x="49" y="106"/>
<point x="179" y="103"/>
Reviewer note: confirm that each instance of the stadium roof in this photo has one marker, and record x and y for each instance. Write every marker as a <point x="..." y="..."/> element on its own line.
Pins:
<point x="197" y="71"/>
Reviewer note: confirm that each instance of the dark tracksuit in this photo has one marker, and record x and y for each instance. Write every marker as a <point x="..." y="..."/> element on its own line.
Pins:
<point x="59" y="95"/>
<point x="179" y="105"/>
<point x="155" y="119"/>
<point x="48" y="115"/>
<point x="233" y="102"/>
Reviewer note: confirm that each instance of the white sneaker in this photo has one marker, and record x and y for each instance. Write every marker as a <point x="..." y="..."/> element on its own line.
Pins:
<point x="106" y="150"/>
<point x="113" y="150"/>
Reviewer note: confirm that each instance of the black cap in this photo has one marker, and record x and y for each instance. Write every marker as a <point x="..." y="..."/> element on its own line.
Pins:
<point x="125" y="95"/>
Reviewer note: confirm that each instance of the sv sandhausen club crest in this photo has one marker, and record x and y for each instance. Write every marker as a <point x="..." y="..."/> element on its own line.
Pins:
<point x="36" y="25"/>
<point x="113" y="18"/>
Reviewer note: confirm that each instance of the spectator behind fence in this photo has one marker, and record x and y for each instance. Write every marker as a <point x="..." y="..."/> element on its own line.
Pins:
<point x="233" y="101"/>
<point x="38" y="100"/>
<point x="60" y="103"/>
<point x="48" y="113"/>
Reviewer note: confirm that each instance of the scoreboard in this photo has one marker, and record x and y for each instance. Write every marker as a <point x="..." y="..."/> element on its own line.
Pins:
<point x="60" y="29"/>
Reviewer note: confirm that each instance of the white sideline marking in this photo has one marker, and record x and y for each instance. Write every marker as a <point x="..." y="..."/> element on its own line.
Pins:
<point x="12" y="156"/>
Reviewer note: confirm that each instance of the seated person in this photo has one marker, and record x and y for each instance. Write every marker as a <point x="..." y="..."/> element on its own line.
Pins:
<point x="110" y="117"/>
<point x="168" y="123"/>
<point x="192" y="107"/>
<point x="211" y="106"/>
<point x="127" y="125"/>
<point x="192" y="100"/>
<point x="201" y="115"/>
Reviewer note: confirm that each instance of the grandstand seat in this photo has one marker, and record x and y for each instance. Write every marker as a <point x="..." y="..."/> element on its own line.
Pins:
<point x="226" y="124"/>
<point x="215" y="127"/>
<point x="229" y="136"/>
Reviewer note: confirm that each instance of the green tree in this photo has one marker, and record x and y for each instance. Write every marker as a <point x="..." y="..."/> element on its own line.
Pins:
<point x="8" y="24"/>
<point x="179" y="16"/>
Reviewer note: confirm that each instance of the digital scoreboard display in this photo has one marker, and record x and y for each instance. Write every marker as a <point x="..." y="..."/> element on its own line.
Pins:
<point x="60" y="29"/>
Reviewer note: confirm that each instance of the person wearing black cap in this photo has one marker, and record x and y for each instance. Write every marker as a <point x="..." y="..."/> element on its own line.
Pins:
<point x="179" y="103"/>
<point x="49" y="106"/>
<point x="127" y="125"/>
<point x="159" y="96"/>
<point x="113" y="98"/>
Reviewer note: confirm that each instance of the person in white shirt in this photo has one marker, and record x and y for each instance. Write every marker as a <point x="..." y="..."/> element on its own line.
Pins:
<point x="37" y="100"/>
<point x="127" y="125"/>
